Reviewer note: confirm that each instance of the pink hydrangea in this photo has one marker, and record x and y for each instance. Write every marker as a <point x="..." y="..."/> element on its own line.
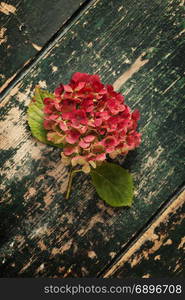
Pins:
<point x="91" y="120"/>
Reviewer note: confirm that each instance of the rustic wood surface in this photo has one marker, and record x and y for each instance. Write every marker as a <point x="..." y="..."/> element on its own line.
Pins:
<point x="25" y="27"/>
<point x="159" y="252"/>
<point x="137" y="46"/>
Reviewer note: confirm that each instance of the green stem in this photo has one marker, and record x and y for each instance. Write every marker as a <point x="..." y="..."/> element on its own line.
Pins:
<point x="71" y="174"/>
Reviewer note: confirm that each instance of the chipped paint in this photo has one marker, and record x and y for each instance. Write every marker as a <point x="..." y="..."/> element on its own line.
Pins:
<point x="30" y="193"/>
<point x="170" y="86"/>
<point x="25" y="267"/>
<point x="179" y="34"/>
<point x="54" y="69"/>
<point x="3" y="38"/>
<point x="131" y="255"/>
<point x="112" y="254"/>
<point x="20" y="240"/>
<point x="178" y="266"/>
<point x="182" y="243"/>
<point x="94" y="220"/>
<point x="89" y="45"/>
<point x="168" y="242"/>
<point x="48" y="199"/>
<point x="41" y="245"/>
<point x="62" y="249"/>
<point x="40" y="268"/>
<point x="13" y="91"/>
<point x="9" y="132"/>
<point x="38" y="232"/>
<point x="120" y="8"/>
<point x="153" y="159"/>
<point x="7" y="8"/>
<point x="134" y="68"/>
<point x="69" y="217"/>
<point x="182" y="3"/>
<point x="37" y="47"/>
<point x="146" y="276"/>
<point x="42" y="84"/>
<point x="2" y="76"/>
<point x="91" y="254"/>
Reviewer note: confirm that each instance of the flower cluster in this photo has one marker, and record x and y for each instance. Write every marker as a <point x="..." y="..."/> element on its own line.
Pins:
<point x="90" y="120"/>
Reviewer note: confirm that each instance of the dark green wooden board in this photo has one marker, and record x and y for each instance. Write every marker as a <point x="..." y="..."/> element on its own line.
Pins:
<point x="26" y="26"/>
<point x="42" y="234"/>
<point x="159" y="252"/>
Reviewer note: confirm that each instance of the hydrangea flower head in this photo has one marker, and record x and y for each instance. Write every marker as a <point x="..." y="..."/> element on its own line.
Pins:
<point x="91" y="120"/>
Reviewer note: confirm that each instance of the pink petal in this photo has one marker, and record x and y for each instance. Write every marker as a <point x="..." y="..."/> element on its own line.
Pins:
<point x="89" y="138"/>
<point x="63" y="126"/>
<point x="72" y="136"/>
<point x="68" y="88"/>
<point x="98" y="122"/>
<point x="82" y="129"/>
<point x="109" y="141"/>
<point x="53" y="117"/>
<point x="101" y="156"/>
<point x="84" y="145"/>
<point x="68" y="150"/>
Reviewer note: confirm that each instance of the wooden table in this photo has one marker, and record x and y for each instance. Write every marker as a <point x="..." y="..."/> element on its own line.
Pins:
<point x="138" y="46"/>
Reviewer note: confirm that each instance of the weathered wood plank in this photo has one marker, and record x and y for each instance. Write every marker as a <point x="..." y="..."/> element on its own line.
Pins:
<point x="159" y="252"/>
<point x="25" y="27"/>
<point x="42" y="234"/>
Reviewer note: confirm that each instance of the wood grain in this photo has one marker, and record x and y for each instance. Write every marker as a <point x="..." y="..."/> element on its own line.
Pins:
<point x="42" y="234"/>
<point x="159" y="252"/>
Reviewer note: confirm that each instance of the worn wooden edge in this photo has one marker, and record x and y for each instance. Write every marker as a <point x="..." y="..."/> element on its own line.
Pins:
<point x="16" y="78"/>
<point x="170" y="207"/>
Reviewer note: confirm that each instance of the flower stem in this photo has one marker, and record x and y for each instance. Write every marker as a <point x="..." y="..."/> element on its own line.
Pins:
<point x="71" y="174"/>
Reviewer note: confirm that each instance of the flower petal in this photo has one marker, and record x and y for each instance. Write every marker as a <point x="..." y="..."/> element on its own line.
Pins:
<point x="69" y="149"/>
<point x="72" y="136"/>
<point x="83" y="145"/>
<point x="67" y="88"/>
<point x="89" y="138"/>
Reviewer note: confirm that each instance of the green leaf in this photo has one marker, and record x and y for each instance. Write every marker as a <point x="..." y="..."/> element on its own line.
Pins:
<point x="113" y="184"/>
<point x="36" y="116"/>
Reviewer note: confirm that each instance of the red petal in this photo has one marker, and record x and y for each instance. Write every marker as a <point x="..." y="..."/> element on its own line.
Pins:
<point x="136" y="115"/>
<point x="48" y="100"/>
<point x="77" y="77"/>
<point x="101" y="156"/>
<point x="95" y="78"/>
<point x="79" y="86"/>
<point x="48" y="124"/>
<point x="59" y="90"/>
